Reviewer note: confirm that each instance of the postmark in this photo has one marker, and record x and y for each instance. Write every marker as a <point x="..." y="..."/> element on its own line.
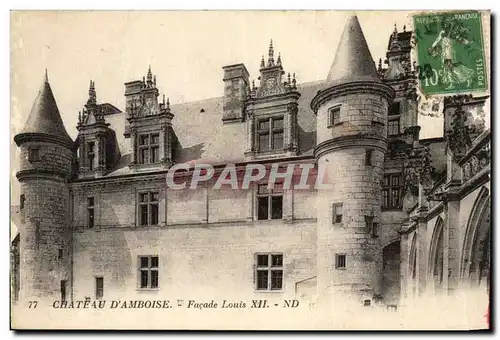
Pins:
<point x="450" y="52"/>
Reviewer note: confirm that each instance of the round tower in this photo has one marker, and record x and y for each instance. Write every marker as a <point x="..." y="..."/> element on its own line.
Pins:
<point x="351" y="114"/>
<point x="45" y="236"/>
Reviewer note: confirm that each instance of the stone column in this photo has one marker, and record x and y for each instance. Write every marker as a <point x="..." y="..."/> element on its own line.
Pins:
<point x="133" y="139"/>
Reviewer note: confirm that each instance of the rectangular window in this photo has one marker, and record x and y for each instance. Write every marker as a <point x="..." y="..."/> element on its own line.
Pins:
<point x="99" y="288"/>
<point x="148" y="272"/>
<point x="391" y="191"/>
<point x="340" y="261"/>
<point x="60" y="254"/>
<point x="22" y="199"/>
<point x="149" y="148"/>
<point x="395" y="109"/>
<point x="368" y="157"/>
<point x="393" y="127"/>
<point x="33" y="154"/>
<point x="270" y="134"/>
<point x="90" y="212"/>
<point x="91" y="154"/>
<point x="148" y="208"/>
<point x="334" y="116"/>
<point x="63" y="290"/>
<point x="269" y="271"/>
<point x="270" y="202"/>
<point x="337" y="212"/>
<point x="375" y="228"/>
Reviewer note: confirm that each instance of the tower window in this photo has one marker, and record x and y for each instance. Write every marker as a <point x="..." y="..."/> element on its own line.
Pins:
<point x="149" y="148"/>
<point x="334" y="116"/>
<point x="391" y="191"/>
<point x="270" y="202"/>
<point x="60" y="254"/>
<point x="99" y="288"/>
<point x="393" y="127"/>
<point x="91" y="154"/>
<point x="340" y="261"/>
<point x="148" y="272"/>
<point x="90" y="212"/>
<point x="337" y="213"/>
<point x="148" y="208"/>
<point x="22" y="200"/>
<point x="270" y="132"/>
<point x="269" y="271"/>
<point x="375" y="228"/>
<point x="33" y="154"/>
<point x="368" y="157"/>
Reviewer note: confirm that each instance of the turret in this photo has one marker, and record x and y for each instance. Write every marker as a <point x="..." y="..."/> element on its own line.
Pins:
<point x="45" y="166"/>
<point x="351" y="111"/>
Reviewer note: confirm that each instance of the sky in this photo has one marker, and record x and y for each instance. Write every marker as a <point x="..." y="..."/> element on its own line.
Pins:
<point x="186" y="51"/>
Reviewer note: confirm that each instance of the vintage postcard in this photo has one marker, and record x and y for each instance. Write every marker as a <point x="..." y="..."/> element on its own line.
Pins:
<point x="250" y="170"/>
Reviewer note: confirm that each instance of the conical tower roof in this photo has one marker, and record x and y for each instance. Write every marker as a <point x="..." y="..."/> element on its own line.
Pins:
<point x="44" y="117"/>
<point x="353" y="60"/>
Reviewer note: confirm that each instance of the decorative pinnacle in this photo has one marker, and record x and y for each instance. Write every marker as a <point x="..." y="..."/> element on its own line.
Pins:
<point x="404" y="28"/>
<point x="270" y="60"/>
<point x="279" y="59"/>
<point x="150" y="75"/>
<point x="294" y="81"/>
<point x="46" y="77"/>
<point x="262" y="63"/>
<point x="154" y="80"/>
<point x="163" y="99"/>
<point x="253" y="85"/>
<point x="168" y="104"/>
<point x="379" y="64"/>
<point x="79" y="117"/>
<point x="92" y="94"/>
<point x="395" y="28"/>
<point x="289" y="80"/>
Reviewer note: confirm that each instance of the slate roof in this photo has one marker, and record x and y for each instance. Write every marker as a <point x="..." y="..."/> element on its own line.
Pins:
<point x="353" y="60"/>
<point x="44" y="117"/>
<point x="203" y="138"/>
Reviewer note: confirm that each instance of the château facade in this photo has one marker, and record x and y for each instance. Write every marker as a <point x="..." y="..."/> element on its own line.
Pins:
<point x="405" y="216"/>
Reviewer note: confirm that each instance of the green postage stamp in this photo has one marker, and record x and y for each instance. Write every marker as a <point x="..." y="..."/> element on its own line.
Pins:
<point x="450" y="52"/>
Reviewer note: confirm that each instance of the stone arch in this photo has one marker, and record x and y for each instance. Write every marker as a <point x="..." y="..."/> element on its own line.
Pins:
<point x="412" y="263"/>
<point x="476" y="252"/>
<point x="435" y="264"/>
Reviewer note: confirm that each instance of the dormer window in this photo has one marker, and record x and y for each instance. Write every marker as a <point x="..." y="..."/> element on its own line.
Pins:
<point x="149" y="148"/>
<point x="270" y="133"/>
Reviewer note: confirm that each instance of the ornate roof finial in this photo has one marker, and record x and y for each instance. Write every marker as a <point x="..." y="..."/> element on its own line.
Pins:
<point x="92" y="94"/>
<point x="270" y="60"/>
<point x="79" y="117"/>
<point x="262" y="63"/>
<point x="404" y="28"/>
<point x="154" y="80"/>
<point x="163" y="99"/>
<point x="395" y="28"/>
<point x="289" y="80"/>
<point x="149" y="76"/>
<point x="168" y="105"/>
<point x="379" y="64"/>
<point x="46" y="76"/>
<point x="253" y="85"/>
<point x="294" y="82"/>
<point x="279" y="59"/>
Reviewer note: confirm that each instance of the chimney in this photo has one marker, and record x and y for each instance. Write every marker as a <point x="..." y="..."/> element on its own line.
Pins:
<point x="235" y="87"/>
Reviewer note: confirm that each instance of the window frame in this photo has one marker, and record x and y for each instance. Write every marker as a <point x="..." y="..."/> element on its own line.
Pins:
<point x="269" y="269"/>
<point x="332" y="113"/>
<point x="96" y="291"/>
<point x="270" y="131"/>
<point x="153" y="149"/>
<point x="398" y="103"/>
<point x="269" y="195"/>
<point x="33" y="154"/>
<point x="90" y="212"/>
<point x="388" y="188"/>
<point x="389" y="127"/>
<point x="149" y="269"/>
<point x="149" y="203"/>
<point x="334" y="212"/>
<point x="338" y="264"/>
